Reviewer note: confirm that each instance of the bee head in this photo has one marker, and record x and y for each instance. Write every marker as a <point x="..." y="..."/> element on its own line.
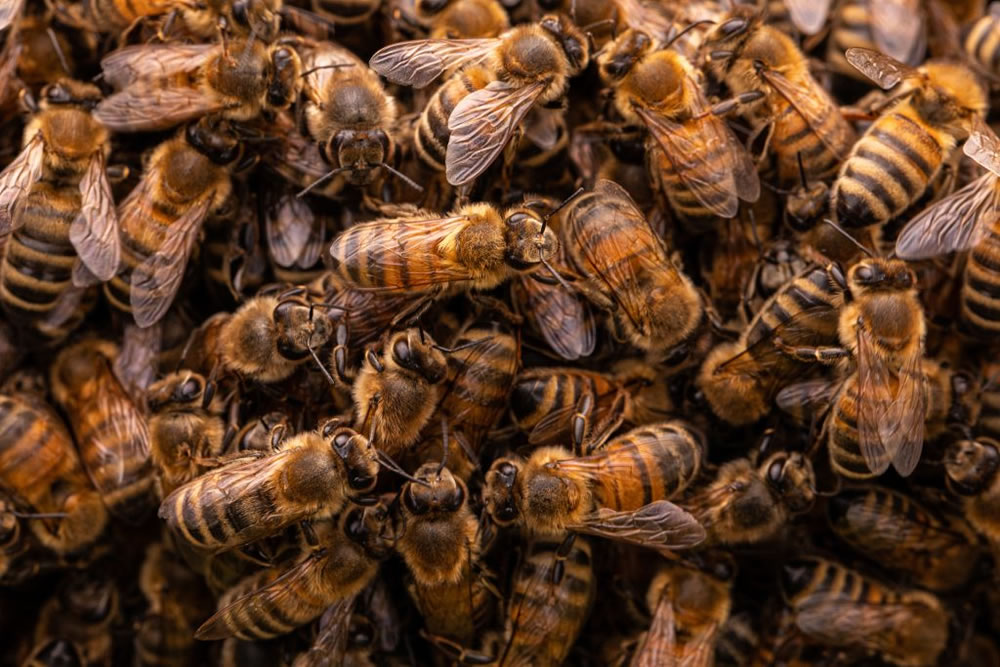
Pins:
<point x="498" y="492"/>
<point x="573" y="42"/>
<point x="214" y="138"/>
<point x="622" y="54"/>
<point x="414" y="350"/>
<point x="370" y="527"/>
<point x="259" y="17"/>
<point x="971" y="465"/>
<point x="285" y="79"/>
<point x="181" y="389"/>
<point x="790" y="475"/>
<point x="357" y="453"/>
<point x="529" y="240"/>
<point x="441" y="492"/>
<point x="359" y="152"/>
<point x="68" y="92"/>
<point x="729" y="32"/>
<point x="299" y="327"/>
<point x="875" y="273"/>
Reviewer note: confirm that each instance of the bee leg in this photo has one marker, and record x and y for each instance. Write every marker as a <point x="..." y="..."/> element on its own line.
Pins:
<point x="414" y="310"/>
<point x="495" y="306"/>
<point x="340" y="372"/>
<point x="722" y="108"/>
<point x="824" y="354"/>
<point x="456" y="651"/>
<point x="561" y="554"/>
<point x="580" y="421"/>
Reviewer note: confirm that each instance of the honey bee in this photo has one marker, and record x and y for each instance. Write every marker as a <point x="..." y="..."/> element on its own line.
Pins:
<point x="313" y="476"/>
<point x="186" y="179"/>
<point x="55" y="198"/>
<point x="82" y="612"/>
<point x="436" y="537"/>
<point x="185" y="428"/>
<point x="799" y="114"/>
<point x="395" y="393"/>
<point x="895" y="27"/>
<point x="693" y="157"/>
<point x="111" y="432"/>
<point x="902" y="152"/>
<point x="159" y="86"/>
<point x="689" y="609"/>
<point x="429" y="256"/>
<point x="937" y="550"/>
<point x="740" y="379"/>
<point x="530" y="65"/>
<point x="840" y="607"/>
<point x="41" y="470"/>
<point x="965" y="220"/>
<point x="552" y="492"/>
<point x="277" y="600"/>
<point x="971" y="467"/>
<point x="627" y="271"/>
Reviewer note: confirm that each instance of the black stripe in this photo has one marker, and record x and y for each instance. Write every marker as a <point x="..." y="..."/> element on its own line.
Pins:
<point x="987" y="288"/>
<point x="904" y="147"/>
<point x="893" y="171"/>
<point x="988" y="260"/>
<point x="872" y="186"/>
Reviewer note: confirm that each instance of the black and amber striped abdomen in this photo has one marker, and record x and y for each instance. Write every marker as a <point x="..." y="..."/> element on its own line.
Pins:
<point x="673" y="182"/>
<point x="540" y="392"/>
<point x="982" y="43"/>
<point x="480" y="379"/>
<point x="432" y="133"/>
<point x="546" y="614"/>
<point x="36" y="452"/>
<point x="645" y="465"/>
<point x="822" y="145"/>
<point x="140" y="239"/>
<point x="39" y="257"/>
<point x="846" y="458"/>
<point x="807" y="581"/>
<point x="980" y="295"/>
<point x="888" y="169"/>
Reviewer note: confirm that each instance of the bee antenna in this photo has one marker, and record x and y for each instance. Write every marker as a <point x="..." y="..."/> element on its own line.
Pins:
<point x="457" y="348"/>
<point x="565" y="202"/>
<point x="40" y="515"/>
<point x="394" y="467"/>
<point x="312" y="352"/>
<point x="444" y="444"/>
<point x="596" y="24"/>
<point x="403" y="177"/>
<point x="325" y="177"/>
<point x="58" y="49"/>
<point x="330" y="66"/>
<point x="802" y="169"/>
<point x="686" y="30"/>
<point x="853" y="240"/>
<point x="556" y="274"/>
<point x="423" y="337"/>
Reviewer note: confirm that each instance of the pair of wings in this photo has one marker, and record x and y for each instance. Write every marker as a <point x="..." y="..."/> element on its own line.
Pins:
<point x="960" y="221"/>
<point x="660" y="525"/>
<point x="563" y="319"/>
<point x="294" y="237"/>
<point x="93" y="233"/>
<point x="659" y="645"/>
<point x="897" y="26"/>
<point x="147" y="99"/>
<point x="156" y="280"/>
<point x="484" y="121"/>
<point x="694" y="147"/>
<point x="231" y="483"/>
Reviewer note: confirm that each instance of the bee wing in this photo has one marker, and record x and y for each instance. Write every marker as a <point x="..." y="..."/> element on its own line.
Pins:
<point x="884" y="70"/>
<point x="8" y="65"/>
<point x="529" y="613"/>
<point x="155" y="282"/>
<point x="136" y="364"/>
<point x="658" y="643"/>
<point x="890" y="421"/>
<point x="280" y="593"/>
<point x="556" y="424"/>
<point x="16" y="181"/>
<point x="808" y="16"/>
<point x="417" y="63"/>
<point x="897" y="25"/>
<point x="288" y="229"/>
<point x="145" y="108"/>
<point x="9" y="10"/>
<point x="661" y="525"/>
<point x="826" y="618"/>
<point x="983" y="146"/>
<point x="482" y="124"/>
<point x="563" y="319"/>
<point x="649" y="17"/>
<point x="542" y="127"/>
<point x="957" y="222"/>
<point x="811" y="396"/>
<point x="94" y="232"/>
<point x="65" y="306"/>
<point x="813" y="104"/>
<point x="394" y="247"/>
<point x="329" y="646"/>
<point x="153" y="61"/>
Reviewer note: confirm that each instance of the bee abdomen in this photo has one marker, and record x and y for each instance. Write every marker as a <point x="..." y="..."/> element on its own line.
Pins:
<point x="983" y="43"/>
<point x="980" y="296"/>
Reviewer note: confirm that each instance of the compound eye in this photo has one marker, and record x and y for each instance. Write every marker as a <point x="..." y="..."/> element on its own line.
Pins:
<point x="355" y="524"/>
<point x="190" y="390"/>
<point x="413" y="503"/>
<point x="905" y="280"/>
<point x="240" y="12"/>
<point x="507" y="473"/>
<point x="456" y="501"/>
<point x="775" y="472"/>
<point x="865" y="274"/>
<point x="732" y="27"/>
<point x="340" y="443"/>
<point x="402" y="353"/>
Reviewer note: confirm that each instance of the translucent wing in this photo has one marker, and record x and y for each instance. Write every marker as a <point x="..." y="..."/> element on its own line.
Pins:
<point x="826" y="618"/>
<point x="891" y="409"/>
<point x="136" y="364"/>
<point x="154" y="61"/>
<point x="94" y="232"/>
<point x="9" y="10"/>
<point x="482" y="124"/>
<point x="957" y="222"/>
<point x="288" y="229"/>
<point x="809" y="397"/>
<point x="808" y="16"/>
<point x="983" y="146"/>
<point x="658" y="642"/>
<point x="884" y="70"/>
<point x="281" y="593"/>
<point x="145" y="108"/>
<point x="419" y="62"/>
<point x="322" y="64"/>
<point x="16" y="181"/>
<point x="393" y="244"/>
<point x="661" y="525"/>
<point x="562" y="318"/>
<point x="330" y="644"/>
<point x="531" y="613"/>
<point x="542" y="127"/>
<point x="896" y="26"/>
<point x="813" y="104"/>
<point x="155" y="282"/>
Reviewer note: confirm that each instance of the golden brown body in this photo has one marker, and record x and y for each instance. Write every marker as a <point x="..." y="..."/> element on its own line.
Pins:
<point x="804" y="118"/>
<point x="39" y="467"/>
<point x="111" y="433"/>
<point x="972" y="468"/>
<point x="627" y="269"/>
<point x="747" y="504"/>
<point x="937" y="550"/>
<point x="432" y="133"/>
<point x="839" y="607"/>
<point x="276" y="600"/>
<point x="312" y="476"/>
